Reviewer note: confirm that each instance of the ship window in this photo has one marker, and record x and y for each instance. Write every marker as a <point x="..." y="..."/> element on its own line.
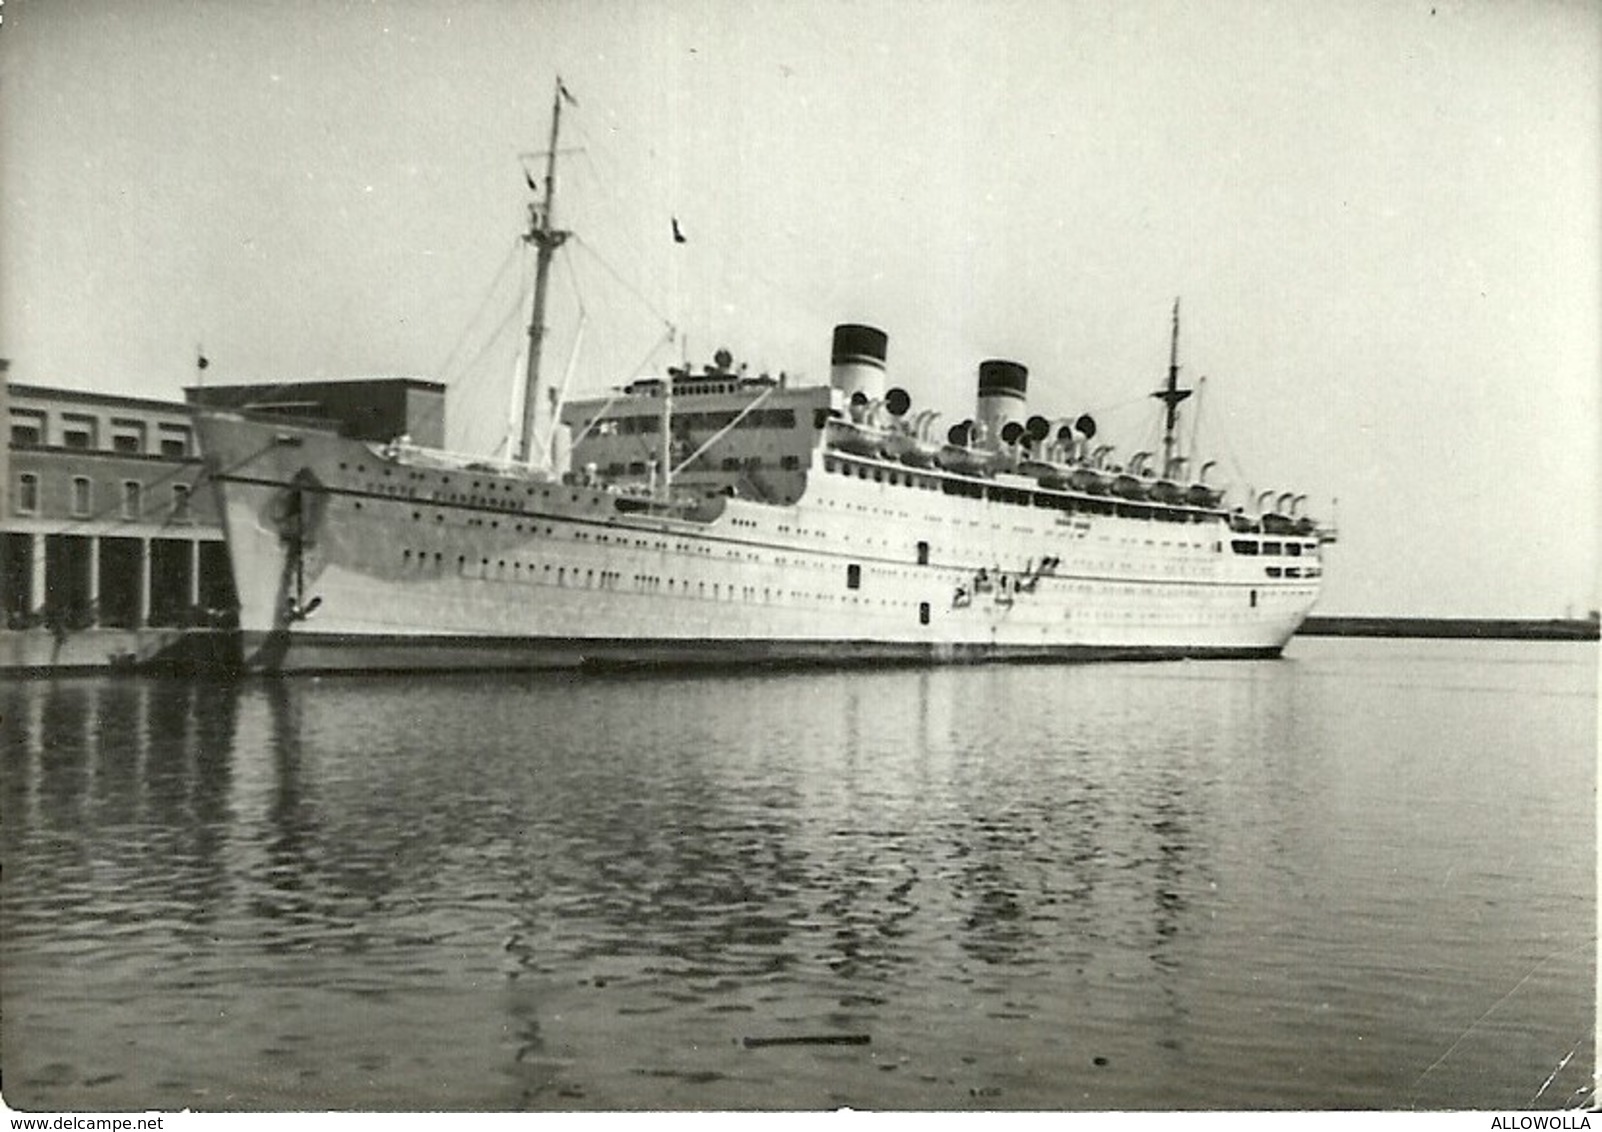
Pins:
<point x="1270" y="548"/>
<point x="923" y="554"/>
<point x="853" y="577"/>
<point x="1254" y="599"/>
<point x="923" y="613"/>
<point x="1294" y="549"/>
<point x="1273" y="571"/>
<point x="789" y="463"/>
<point x="1243" y="546"/>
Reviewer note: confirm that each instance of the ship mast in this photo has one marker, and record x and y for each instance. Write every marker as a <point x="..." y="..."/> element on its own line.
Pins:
<point x="546" y="238"/>
<point x="1171" y="395"/>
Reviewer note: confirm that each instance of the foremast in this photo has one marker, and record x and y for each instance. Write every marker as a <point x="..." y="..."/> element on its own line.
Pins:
<point x="532" y="447"/>
<point x="1171" y="395"/>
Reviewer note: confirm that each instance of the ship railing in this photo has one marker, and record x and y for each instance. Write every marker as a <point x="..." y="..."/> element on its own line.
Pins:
<point x="403" y="451"/>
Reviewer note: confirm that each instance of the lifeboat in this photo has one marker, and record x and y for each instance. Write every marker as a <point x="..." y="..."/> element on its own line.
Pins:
<point x="849" y="436"/>
<point x="1088" y="480"/>
<point x="967" y="461"/>
<point x="1200" y="495"/>
<point x="1046" y="473"/>
<point x="1167" y="491"/>
<point x="911" y="450"/>
<point x="1130" y="487"/>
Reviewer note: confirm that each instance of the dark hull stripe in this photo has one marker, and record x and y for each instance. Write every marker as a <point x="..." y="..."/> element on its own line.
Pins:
<point x="331" y="652"/>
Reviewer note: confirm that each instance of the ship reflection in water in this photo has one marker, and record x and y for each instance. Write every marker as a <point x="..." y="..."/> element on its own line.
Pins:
<point x="1268" y="884"/>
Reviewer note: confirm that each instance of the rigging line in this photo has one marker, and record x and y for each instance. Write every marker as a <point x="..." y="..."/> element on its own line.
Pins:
<point x="614" y="206"/>
<point x="103" y="514"/>
<point x="667" y="337"/>
<point x="1195" y="415"/>
<point x="624" y="283"/>
<point x="724" y="431"/>
<point x="468" y="370"/>
<point x="578" y="292"/>
<point x="495" y="282"/>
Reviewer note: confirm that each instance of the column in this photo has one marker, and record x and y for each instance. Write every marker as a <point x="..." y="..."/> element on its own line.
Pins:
<point x="36" y="573"/>
<point x="194" y="574"/>
<point x="142" y="615"/>
<point x="94" y="581"/>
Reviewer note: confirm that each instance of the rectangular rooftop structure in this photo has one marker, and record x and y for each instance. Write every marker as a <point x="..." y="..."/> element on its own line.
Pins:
<point x="377" y="409"/>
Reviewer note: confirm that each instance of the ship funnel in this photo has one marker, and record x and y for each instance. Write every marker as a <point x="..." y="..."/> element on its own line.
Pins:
<point x="1003" y="389"/>
<point x="856" y="362"/>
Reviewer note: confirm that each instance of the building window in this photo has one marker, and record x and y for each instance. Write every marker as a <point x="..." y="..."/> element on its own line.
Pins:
<point x="77" y="431"/>
<point x="180" y="503"/>
<point x="127" y="436"/>
<point x="82" y="496"/>
<point x="853" y="577"/>
<point x="27" y="493"/>
<point x="174" y="441"/>
<point x="132" y="498"/>
<point x="27" y="428"/>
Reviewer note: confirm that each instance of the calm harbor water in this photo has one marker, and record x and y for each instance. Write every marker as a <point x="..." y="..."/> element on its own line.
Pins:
<point x="1360" y="876"/>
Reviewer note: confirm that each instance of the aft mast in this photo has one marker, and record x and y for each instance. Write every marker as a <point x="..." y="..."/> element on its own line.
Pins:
<point x="1171" y="395"/>
<point x="546" y="238"/>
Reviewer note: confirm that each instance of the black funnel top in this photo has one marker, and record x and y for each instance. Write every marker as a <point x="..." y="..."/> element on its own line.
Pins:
<point x="854" y="342"/>
<point x="1002" y="377"/>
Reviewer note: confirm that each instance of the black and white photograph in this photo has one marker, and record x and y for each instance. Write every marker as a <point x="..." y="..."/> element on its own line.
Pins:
<point x="690" y="557"/>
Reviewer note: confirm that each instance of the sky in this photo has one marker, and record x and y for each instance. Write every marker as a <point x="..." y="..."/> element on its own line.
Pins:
<point x="1382" y="221"/>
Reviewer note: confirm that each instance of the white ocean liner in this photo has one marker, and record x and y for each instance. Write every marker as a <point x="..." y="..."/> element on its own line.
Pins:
<point x="718" y="517"/>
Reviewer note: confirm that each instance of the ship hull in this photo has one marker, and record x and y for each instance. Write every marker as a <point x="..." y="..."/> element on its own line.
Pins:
<point x="346" y="558"/>
<point x="313" y="651"/>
